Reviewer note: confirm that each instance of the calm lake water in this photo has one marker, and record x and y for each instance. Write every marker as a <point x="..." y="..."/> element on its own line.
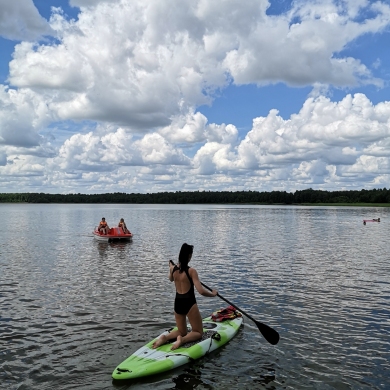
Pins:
<point x="72" y="308"/>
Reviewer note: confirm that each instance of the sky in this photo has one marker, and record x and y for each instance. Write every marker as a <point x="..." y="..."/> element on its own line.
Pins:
<point x="135" y="96"/>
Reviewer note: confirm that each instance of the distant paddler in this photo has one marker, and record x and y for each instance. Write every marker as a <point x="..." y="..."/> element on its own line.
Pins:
<point x="371" y="220"/>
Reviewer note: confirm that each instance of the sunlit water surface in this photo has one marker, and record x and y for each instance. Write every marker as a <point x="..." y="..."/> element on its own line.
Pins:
<point x="73" y="308"/>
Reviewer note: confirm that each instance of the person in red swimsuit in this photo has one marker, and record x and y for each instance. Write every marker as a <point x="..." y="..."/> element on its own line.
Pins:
<point x="185" y="279"/>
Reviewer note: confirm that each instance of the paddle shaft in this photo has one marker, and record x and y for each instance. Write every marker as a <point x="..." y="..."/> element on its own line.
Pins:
<point x="230" y="303"/>
<point x="271" y="335"/>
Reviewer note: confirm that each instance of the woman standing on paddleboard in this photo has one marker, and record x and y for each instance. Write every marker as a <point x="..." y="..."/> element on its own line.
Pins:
<point x="185" y="279"/>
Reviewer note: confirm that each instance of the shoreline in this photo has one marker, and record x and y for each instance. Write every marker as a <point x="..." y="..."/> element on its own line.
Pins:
<point x="226" y="203"/>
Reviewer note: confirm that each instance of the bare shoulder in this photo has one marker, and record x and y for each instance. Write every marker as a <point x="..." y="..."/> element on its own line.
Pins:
<point x="193" y="273"/>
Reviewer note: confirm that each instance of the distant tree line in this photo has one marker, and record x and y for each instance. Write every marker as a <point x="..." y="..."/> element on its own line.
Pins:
<point x="218" y="197"/>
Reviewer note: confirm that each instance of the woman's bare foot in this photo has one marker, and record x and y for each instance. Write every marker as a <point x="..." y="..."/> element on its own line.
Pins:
<point x="177" y="343"/>
<point x="160" y="341"/>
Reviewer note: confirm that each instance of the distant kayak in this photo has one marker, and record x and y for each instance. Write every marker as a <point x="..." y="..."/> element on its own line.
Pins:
<point x="148" y="361"/>
<point x="115" y="233"/>
<point x="371" y="220"/>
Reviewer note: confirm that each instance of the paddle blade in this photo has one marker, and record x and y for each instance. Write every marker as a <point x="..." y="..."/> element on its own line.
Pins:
<point x="271" y="335"/>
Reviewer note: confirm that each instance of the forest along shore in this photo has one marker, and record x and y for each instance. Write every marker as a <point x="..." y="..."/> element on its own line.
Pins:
<point x="373" y="197"/>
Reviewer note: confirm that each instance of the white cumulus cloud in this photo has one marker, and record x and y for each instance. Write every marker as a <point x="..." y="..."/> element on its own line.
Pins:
<point x="20" y="20"/>
<point x="111" y="98"/>
<point x="140" y="63"/>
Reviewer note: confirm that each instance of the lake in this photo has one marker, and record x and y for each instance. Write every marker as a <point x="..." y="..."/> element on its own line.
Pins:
<point x="73" y="308"/>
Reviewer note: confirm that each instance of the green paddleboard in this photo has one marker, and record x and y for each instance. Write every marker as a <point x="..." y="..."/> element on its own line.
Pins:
<point x="148" y="361"/>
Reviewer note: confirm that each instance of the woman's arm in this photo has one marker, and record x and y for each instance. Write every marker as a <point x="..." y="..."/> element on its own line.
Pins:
<point x="171" y="267"/>
<point x="198" y="285"/>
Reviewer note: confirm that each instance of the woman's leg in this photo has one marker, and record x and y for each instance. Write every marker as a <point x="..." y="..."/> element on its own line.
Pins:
<point x="181" y="323"/>
<point x="196" y="328"/>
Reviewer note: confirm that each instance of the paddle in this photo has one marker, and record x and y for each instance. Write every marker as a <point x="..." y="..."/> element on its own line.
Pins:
<point x="271" y="335"/>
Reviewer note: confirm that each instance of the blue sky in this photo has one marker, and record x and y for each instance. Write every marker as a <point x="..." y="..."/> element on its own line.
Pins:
<point x="130" y="96"/>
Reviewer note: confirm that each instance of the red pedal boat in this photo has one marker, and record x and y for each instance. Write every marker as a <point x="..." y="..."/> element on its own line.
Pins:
<point x="115" y="233"/>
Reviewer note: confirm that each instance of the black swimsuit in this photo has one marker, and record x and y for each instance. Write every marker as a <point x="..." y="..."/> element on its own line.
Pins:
<point x="184" y="302"/>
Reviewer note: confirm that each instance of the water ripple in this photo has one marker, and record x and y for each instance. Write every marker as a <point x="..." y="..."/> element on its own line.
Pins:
<point x="73" y="308"/>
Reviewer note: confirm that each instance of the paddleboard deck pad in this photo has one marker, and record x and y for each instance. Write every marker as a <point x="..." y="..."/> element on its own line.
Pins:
<point x="148" y="361"/>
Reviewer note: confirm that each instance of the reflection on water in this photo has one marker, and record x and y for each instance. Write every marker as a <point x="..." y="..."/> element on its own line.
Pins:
<point x="72" y="308"/>
<point x="117" y="247"/>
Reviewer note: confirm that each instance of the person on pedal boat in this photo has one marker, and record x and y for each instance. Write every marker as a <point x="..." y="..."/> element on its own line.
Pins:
<point x="185" y="306"/>
<point x="103" y="226"/>
<point x="122" y="224"/>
